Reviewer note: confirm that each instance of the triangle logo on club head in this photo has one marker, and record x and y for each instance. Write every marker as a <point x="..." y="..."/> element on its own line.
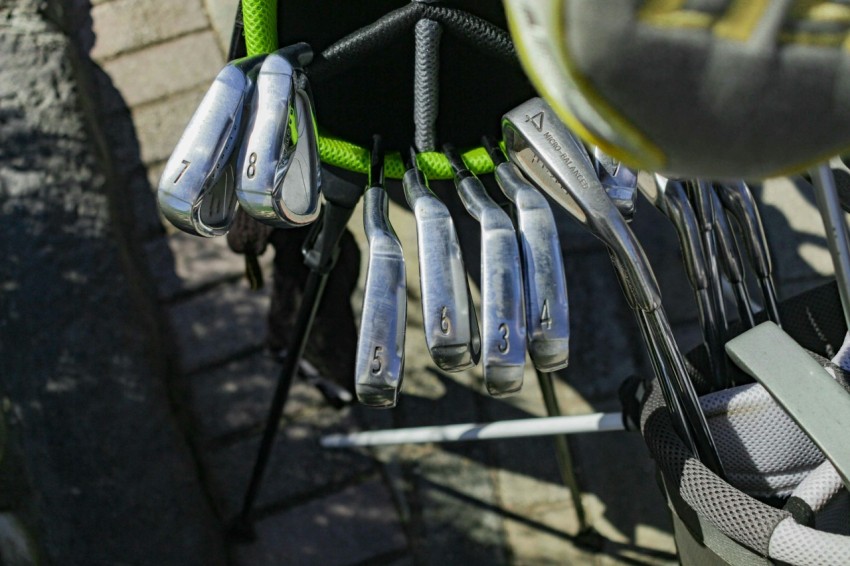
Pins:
<point x="536" y="120"/>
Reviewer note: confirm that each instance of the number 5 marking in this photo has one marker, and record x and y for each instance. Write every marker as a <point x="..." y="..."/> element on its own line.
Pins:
<point x="377" y="366"/>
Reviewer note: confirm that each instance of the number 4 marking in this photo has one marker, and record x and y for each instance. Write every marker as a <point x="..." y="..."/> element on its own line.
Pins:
<point x="545" y="317"/>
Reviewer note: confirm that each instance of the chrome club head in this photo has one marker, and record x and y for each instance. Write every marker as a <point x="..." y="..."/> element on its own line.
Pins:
<point x="380" y="346"/>
<point x="548" y="154"/>
<point x="196" y="191"/>
<point x="620" y="182"/>
<point x="547" y="317"/>
<point x="503" y="325"/>
<point x="279" y="172"/>
<point x="451" y="329"/>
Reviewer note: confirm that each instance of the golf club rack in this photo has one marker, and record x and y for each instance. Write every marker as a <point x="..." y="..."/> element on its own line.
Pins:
<point x="748" y="431"/>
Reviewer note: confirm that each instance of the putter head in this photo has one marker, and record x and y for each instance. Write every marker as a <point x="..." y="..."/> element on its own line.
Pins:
<point x="279" y="172"/>
<point x="196" y="191"/>
<point x="503" y="325"/>
<point x="544" y="283"/>
<point x="738" y="199"/>
<point x="451" y="329"/>
<point x="620" y="182"/>
<point x="555" y="161"/>
<point x="380" y="346"/>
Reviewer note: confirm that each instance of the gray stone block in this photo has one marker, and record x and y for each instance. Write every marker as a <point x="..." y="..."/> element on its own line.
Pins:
<point x="212" y="327"/>
<point x="236" y="396"/>
<point x="118" y="29"/>
<point x="349" y="527"/>
<point x="80" y="355"/>
<point x="298" y="468"/>
<point x="166" y="68"/>
<point x="160" y="124"/>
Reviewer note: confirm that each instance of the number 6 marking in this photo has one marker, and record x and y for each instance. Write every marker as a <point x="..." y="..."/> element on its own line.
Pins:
<point x="445" y="323"/>
<point x="505" y="346"/>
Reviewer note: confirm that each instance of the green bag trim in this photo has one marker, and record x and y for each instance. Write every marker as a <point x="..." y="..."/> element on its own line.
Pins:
<point x="260" y="26"/>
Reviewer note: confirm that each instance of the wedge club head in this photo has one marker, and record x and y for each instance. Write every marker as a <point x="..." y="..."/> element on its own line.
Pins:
<point x="547" y="318"/>
<point x="548" y="154"/>
<point x="380" y="346"/>
<point x="451" y="329"/>
<point x="502" y="321"/>
<point x="196" y="192"/>
<point x="279" y="172"/>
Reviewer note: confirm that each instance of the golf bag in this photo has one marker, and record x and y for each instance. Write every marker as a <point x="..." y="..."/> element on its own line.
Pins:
<point x="781" y="501"/>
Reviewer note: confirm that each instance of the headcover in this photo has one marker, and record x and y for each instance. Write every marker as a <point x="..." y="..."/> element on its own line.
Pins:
<point x="698" y="88"/>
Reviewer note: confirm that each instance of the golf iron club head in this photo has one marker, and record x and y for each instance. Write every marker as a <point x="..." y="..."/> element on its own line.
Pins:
<point x="279" y="172"/>
<point x="451" y="328"/>
<point x="379" y="366"/>
<point x="620" y="182"/>
<point x="549" y="155"/>
<point x="502" y="321"/>
<point x="547" y="318"/>
<point x="196" y="192"/>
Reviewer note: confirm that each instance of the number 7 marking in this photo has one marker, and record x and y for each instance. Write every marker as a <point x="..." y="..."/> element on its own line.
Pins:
<point x="185" y="166"/>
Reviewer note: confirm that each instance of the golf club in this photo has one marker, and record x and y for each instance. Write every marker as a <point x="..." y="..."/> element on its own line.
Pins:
<point x="547" y="317"/>
<point x="279" y="169"/>
<point x="826" y="196"/>
<point x="380" y="347"/>
<point x="555" y="161"/>
<point x="503" y="326"/>
<point x="730" y="258"/>
<point x="196" y="191"/>
<point x="619" y="181"/>
<point x="451" y="329"/>
<point x="669" y="197"/>
<point x="739" y="201"/>
<point x="699" y="192"/>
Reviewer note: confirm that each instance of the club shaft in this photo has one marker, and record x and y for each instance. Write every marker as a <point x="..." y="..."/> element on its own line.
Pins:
<point x="826" y="196"/>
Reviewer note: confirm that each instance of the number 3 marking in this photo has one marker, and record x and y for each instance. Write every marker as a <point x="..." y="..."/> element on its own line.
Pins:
<point x="505" y="346"/>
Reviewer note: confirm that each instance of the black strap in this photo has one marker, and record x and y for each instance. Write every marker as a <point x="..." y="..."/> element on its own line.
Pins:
<point x="237" y="48"/>
<point x="801" y="511"/>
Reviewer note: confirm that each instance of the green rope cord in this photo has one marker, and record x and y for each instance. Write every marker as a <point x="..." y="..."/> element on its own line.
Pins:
<point x="259" y="18"/>
<point x="260" y="28"/>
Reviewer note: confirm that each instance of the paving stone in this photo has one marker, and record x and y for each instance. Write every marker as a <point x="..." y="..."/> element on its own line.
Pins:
<point x="160" y="124"/>
<point x="298" y="467"/>
<point x="203" y="261"/>
<point x="349" y="527"/>
<point x="794" y="229"/>
<point x="221" y="14"/>
<point x="214" y="326"/>
<point x="236" y="396"/>
<point x="160" y="262"/>
<point x="118" y="29"/>
<point x="167" y="68"/>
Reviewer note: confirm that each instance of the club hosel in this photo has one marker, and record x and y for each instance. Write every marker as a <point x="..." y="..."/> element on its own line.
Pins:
<point x="469" y="188"/>
<point x="414" y="189"/>
<point x="510" y="180"/>
<point x="636" y="277"/>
